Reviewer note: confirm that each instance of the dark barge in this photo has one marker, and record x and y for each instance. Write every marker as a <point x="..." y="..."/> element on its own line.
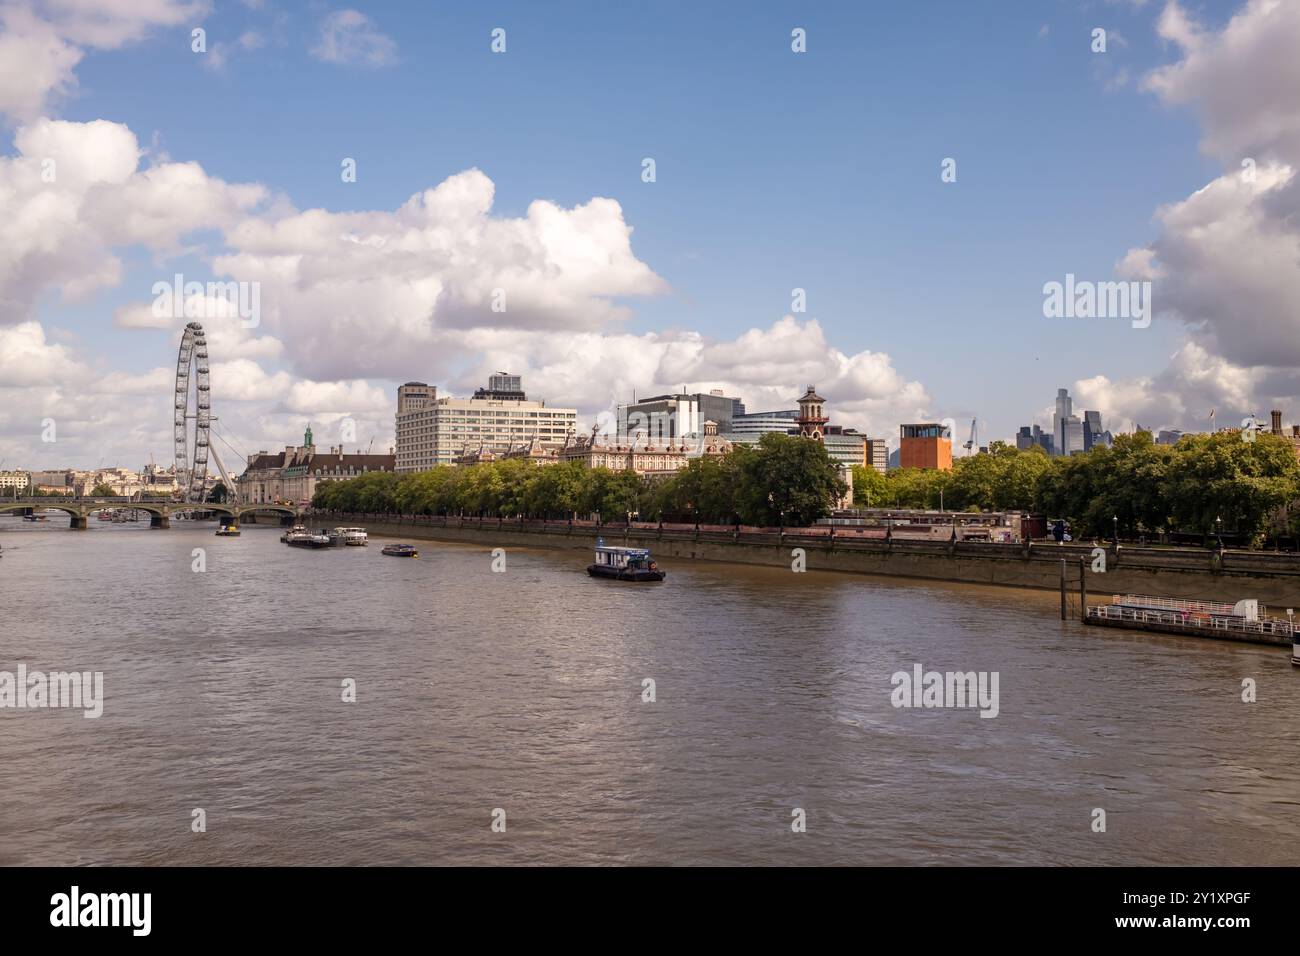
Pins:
<point x="624" y="564"/>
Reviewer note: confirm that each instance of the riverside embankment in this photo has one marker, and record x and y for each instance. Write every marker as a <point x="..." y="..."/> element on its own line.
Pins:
<point x="1272" y="578"/>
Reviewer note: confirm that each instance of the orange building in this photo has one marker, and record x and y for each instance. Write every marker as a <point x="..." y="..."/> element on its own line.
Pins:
<point x="925" y="445"/>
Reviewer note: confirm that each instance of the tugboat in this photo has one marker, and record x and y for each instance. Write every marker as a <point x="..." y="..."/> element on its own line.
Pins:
<point x="228" y="531"/>
<point x="624" y="564"/>
<point x="400" y="551"/>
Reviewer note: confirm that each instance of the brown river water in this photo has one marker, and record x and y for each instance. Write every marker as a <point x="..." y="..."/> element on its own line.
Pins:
<point x="522" y="691"/>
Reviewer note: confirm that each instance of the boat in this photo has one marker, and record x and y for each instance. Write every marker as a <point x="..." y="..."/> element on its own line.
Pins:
<point x="352" y="537"/>
<point x="296" y="529"/>
<point x="228" y="531"/>
<point x="105" y="515"/>
<point x="400" y="551"/>
<point x="624" y="564"/>
<point x="308" y="539"/>
<point x="33" y="517"/>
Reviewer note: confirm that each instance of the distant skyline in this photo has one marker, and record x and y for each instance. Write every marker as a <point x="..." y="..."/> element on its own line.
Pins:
<point x="500" y="217"/>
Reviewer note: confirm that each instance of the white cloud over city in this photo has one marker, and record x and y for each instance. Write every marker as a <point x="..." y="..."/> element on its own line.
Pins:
<point x="442" y="287"/>
<point x="1226" y="262"/>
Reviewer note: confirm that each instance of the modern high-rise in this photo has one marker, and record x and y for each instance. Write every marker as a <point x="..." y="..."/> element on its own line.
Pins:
<point x="664" y="418"/>
<point x="1092" y="432"/>
<point x="433" y="431"/>
<point x="1066" y="427"/>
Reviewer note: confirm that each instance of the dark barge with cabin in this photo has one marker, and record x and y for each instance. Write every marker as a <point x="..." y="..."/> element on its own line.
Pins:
<point x="624" y="564"/>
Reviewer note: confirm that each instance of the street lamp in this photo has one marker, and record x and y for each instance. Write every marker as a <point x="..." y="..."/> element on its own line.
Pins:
<point x="1218" y="530"/>
<point x="1117" y="532"/>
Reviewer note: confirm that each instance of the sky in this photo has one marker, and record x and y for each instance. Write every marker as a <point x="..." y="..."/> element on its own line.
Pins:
<point x="501" y="216"/>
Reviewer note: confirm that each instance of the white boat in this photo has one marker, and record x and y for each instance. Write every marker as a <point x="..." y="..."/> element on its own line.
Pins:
<point x="352" y="537"/>
<point x="296" y="529"/>
<point x="307" y="539"/>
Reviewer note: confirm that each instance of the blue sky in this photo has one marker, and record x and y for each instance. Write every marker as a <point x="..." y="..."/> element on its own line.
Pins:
<point x="775" y="170"/>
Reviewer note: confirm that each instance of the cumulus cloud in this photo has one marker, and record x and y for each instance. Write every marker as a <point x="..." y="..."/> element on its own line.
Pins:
<point x="390" y="283"/>
<point x="1226" y="262"/>
<point x="42" y="42"/>
<point x="1179" y="396"/>
<point x="350" y="38"/>
<point x="766" y="367"/>
<point x="27" y="358"/>
<point x="1242" y="80"/>
<point x="74" y="193"/>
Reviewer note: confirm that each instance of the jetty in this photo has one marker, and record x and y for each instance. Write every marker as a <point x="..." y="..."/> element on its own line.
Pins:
<point x="1243" y="621"/>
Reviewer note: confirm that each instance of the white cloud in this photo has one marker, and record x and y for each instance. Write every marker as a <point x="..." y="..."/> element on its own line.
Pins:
<point x="350" y="38"/>
<point x="1227" y="259"/>
<point x="766" y="367"/>
<point x="1243" y="79"/>
<point x="63" y="233"/>
<point x="1179" y="396"/>
<point x="42" y="42"/>
<point x="35" y="63"/>
<point x="27" y="359"/>
<point x="360" y="292"/>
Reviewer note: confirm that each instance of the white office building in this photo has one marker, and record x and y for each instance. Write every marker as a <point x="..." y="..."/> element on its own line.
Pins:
<point x="434" y="431"/>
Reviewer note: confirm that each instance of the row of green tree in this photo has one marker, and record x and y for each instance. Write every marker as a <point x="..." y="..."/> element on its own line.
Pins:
<point x="1204" y="484"/>
<point x="782" y="479"/>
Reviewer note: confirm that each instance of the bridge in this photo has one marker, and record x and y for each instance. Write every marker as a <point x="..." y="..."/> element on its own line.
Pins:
<point x="160" y="510"/>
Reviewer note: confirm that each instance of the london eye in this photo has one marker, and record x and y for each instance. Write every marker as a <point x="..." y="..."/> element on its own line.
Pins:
<point x="192" y="364"/>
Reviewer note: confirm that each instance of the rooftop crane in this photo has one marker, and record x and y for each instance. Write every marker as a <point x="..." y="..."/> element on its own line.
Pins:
<point x="972" y="443"/>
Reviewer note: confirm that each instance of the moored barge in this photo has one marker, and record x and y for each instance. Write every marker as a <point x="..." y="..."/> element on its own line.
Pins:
<point x="1242" y="621"/>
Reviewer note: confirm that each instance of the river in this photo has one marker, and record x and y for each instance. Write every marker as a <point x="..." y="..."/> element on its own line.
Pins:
<point x="523" y="691"/>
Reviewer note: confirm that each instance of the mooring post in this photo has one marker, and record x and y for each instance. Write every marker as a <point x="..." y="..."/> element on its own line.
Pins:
<point x="1063" y="617"/>
<point x="1083" y="592"/>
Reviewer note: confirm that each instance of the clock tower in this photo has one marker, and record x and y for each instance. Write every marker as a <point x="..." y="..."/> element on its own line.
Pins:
<point x="812" y="419"/>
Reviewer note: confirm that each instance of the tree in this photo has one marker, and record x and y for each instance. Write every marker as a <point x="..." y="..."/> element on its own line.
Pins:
<point x="555" y="492"/>
<point x="218" y="494"/>
<point x="103" y="490"/>
<point x="787" y="479"/>
<point x="871" y="489"/>
<point x="1223" y="476"/>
